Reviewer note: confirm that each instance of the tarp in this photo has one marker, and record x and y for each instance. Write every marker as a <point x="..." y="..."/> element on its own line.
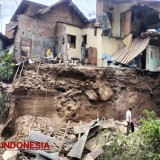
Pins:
<point x="125" y="55"/>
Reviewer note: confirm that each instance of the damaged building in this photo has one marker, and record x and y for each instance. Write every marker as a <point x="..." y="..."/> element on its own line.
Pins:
<point x="135" y="24"/>
<point x="36" y="28"/>
<point x="118" y="34"/>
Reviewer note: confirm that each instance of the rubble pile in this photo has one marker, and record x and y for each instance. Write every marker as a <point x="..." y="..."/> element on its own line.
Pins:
<point x="72" y="141"/>
<point x="59" y="105"/>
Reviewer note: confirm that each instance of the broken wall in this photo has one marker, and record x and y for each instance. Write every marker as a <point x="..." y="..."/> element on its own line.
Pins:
<point x="110" y="45"/>
<point x="28" y="30"/>
<point x="152" y="58"/>
<point x="42" y="30"/>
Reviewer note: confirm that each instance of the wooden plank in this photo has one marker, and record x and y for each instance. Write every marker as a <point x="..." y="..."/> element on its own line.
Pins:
<point x="21" y="73"/>
<point x="127" y="23"/>
<point x="16" y="73"/>
<point x="82" y="128"/>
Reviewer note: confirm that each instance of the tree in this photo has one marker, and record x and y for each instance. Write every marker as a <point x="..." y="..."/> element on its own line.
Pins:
<point x="7" y="63"/>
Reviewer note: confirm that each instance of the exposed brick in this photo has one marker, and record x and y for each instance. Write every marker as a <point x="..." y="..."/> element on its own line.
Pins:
<point x="99" y="7"/>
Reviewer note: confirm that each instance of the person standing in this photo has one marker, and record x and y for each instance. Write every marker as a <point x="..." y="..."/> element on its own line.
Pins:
<point x="130" y="124"/>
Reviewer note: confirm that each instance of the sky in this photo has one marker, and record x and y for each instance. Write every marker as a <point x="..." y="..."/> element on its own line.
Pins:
<point x="8" y="8"/>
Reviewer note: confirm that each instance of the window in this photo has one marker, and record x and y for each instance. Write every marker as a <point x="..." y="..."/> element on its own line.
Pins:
<point x="72" y="41"/>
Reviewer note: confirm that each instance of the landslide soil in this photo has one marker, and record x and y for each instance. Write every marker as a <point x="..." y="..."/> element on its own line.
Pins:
<point x="60" y="94"/>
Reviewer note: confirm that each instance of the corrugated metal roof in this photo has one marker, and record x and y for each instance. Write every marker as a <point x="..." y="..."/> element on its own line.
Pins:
<point x="124" y="55"/>
<point x="39" y="137"/>
<point x="78" y="148"/>
<point x="52" y="156"/>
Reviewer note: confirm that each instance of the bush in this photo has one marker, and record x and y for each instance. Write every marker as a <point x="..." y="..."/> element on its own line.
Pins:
<point x="7" y="64"/>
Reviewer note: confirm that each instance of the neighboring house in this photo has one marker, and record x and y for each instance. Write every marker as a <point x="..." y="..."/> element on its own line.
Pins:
<point x="119" y="18"/>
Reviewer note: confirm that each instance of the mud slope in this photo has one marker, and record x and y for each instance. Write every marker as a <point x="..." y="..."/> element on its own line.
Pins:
<point x="82" y="93"/>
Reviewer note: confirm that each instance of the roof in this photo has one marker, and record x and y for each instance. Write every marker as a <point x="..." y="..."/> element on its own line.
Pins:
<point x="70" y="3"/>
<point x="124" y="55"/>
<point x="23" y="5"/>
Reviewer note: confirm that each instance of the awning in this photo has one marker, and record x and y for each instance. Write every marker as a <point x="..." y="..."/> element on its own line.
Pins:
<point x="125" y="55"/>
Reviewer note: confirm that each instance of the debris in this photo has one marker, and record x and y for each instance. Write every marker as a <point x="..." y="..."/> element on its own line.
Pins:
<point x="94" y="154"/>
<point x="91" y="95"/>
<point x="64" y="136"/>
<point x="78" y="148"/>
<point x="36" y="136"/>
<point x="105" y="93"/>
<point x="82" y="128"/>
<point x="10" y="154"/>
<point x="52" y="156"/>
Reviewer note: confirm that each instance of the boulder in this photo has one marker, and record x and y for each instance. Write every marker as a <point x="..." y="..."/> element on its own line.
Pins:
<point x="105" y="93"/>
<point x="92" y="95"/>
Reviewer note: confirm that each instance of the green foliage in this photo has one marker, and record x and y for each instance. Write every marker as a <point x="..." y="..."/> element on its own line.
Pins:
<point x="144" y="144"/>
<point x="6" y="66"/>
<point x="149" y="115"/>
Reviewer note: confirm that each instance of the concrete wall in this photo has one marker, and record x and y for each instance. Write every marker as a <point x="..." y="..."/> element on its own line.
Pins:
<point x="110" y="45"/>
<point x="104" y="45"/>
<point x="94" y="41"/>
<point x="76" y="31"/>
<point x="152" y="58"/>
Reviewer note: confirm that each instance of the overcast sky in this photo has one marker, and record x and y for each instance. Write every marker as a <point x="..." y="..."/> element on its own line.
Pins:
<point x="8" y="7"/>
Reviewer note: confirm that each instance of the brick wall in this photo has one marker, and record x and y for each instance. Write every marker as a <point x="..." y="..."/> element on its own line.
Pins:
<point x="99" y="8"/>
<point x="42" y="29"/>
<point x="47" y="22"/>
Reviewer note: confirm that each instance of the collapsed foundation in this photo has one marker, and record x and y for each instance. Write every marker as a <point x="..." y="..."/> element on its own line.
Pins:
<point x="82" y="94"/>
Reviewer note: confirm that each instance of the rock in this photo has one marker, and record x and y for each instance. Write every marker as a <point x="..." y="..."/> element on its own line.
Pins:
<point x="123" y="129"/>
<point x="92" y="95"/>
<point x="105" y="93"/>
